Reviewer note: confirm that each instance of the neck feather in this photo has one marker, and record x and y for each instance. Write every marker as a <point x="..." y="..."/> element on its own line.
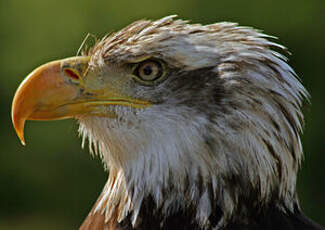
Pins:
<point x="181" y="162"/>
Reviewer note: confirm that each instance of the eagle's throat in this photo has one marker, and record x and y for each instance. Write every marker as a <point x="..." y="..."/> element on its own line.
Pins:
<point x="178" y="165"/>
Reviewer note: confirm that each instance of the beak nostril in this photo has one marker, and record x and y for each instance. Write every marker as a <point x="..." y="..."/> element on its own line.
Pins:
<point x="70" y="73"/>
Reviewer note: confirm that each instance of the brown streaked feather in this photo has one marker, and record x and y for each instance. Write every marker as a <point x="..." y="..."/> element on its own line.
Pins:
<point x="96" y="220"/>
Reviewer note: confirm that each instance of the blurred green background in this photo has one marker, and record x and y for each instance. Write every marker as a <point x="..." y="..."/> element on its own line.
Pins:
<point x="52" y="183"/>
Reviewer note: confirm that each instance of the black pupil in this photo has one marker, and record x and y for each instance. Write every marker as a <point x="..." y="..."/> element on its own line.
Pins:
<point x="147" y="70"/>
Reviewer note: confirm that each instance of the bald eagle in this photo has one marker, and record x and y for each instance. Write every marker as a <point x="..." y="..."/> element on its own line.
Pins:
<point x="198" y="125"/>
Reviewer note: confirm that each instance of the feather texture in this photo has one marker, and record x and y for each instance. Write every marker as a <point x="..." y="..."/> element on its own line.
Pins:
<point x="221" y="143"/>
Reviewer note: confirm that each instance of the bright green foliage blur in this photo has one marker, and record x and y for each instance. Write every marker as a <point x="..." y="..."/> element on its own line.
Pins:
<point x="52" y="183"/>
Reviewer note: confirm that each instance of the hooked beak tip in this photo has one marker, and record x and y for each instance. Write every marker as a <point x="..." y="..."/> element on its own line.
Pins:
<point x="19" y="128"/>
<point x="23" y="141"/>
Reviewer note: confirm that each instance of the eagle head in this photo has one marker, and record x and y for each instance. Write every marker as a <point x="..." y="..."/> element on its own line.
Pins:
<point x="195" y="120"/>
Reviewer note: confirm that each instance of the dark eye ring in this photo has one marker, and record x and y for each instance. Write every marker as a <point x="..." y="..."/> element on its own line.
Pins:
<point x="149" y="70"/>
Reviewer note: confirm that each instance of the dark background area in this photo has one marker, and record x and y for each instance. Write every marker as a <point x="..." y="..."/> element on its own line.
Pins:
<point x="52" y="183"/>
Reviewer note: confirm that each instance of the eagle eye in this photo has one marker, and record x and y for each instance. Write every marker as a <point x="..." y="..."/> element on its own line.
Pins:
<point x="148" y="71"/>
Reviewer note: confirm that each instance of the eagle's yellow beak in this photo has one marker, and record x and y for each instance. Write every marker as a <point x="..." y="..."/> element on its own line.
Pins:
<point x="56" y="91"/>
